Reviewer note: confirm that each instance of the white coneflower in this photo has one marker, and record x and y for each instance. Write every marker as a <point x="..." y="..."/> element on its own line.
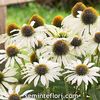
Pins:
<point x="77" y="44"/>
<point x="87" y="21"/>
<point x="93" y="42"/>
<point x="36" y="21"/>
<point x="57" y="20"/>
<point x="7" y="38"/>
<point x="43" y="70"/>
<point x="78" y="72"/>
<point x="40" y="40"/>
<point x="7" y="77"/>
<point x="58" y="50"/>
<point x="47" y="30"/>
<point x="12" y="54"/>
<point x="28" y="36"/>
<point x="32" y="56"/>
<point x="89" y="18"/>
<point x="14" y="94"/>
<point x="69" y="22"/>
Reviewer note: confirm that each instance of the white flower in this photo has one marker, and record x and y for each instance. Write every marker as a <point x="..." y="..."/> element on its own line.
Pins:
<point x="7" y="39"/>
<point x="44" y="71"/>
<point x="12" y="54"/>
<point x="72" y="24"/>
<point x="13" y="94"/>
<point x="79" y="14"/>
<point x="93" y="41"/>
<point x="28" y="36"/>
<point x="40" y="40"/>
<point x="72" y="21"/>
<point x="32" y="56"/>
<point x="7" y="77"/>
<point x="58" y="50"/>
<point x="78" y="72"/>
<point x="86" y="22"/>
<point x="78" y="43"/>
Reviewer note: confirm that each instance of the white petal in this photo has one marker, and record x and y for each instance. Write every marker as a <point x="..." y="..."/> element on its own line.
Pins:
<point x="95" y="69"/>
<point x="49" y="77"/>
<point x="11" y="79"/>
<point x="79" y="80"/>
<point x="12" y="62"/>
<point x="9" y="73"/>
<point x="95" y="79"/>
<point x="71" y="78"/>
<point x="90" y="64"/>
<point x="74" y="80"/>
<point x="79" y="62"/>
<point x="3" y="60"/>
<point x="86" y="61"/>
<point x="8" y="62"/>
<point x="43" y="80"/>
<point x="32" y="78"/>
<point x="85" y="79"/>
<point x="32" y="23"/>
<point x="6" y="85"/>
<point x="18" y="60"/>
<point x="2" y="51"/>
<point x="36" y="80"/>
<point x="26" y="92"/>
<point x="18" y="89"/>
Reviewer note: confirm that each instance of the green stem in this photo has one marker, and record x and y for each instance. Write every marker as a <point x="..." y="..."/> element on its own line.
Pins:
<point x="92" y="58"/>
<point x="83" y="92"/>
<point x="18" y="64"/>
<point x="66" y="88"/>
<point x="98" y="59"/>
<point x="89" y="29"/>
<point x="65" y="83"/>
<point x="23" y="61"/>
<point x="46" y="91"/>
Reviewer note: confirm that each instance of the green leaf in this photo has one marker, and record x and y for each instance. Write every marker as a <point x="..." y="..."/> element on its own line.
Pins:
<point x="94" y="93"/>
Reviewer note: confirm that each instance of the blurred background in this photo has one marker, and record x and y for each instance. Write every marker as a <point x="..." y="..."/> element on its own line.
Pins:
<point x="20" y="13"/>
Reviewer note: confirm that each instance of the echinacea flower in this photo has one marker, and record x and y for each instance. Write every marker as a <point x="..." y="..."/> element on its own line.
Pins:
<point x="32" y="56"/>
<point x="58" y="50"/>
<point x="89" y="17"/>
<point x="78" y="43"/>
<point x="12" y="53"/>
<point x="87" y="21"/>
<point x="71" y="22"/>
<point x="39" y="21"/>
<point x="28" y="36"/>
<point x="93" y="42"/>
<point x="77" y="7"/>
<point x="7" y="38"/>
<point x="57" y="20"/>
<point x="78" y="72"/>
<point x="14" y="94"/>
<point x="7" y="77"/>
<point x="43" y="70"/>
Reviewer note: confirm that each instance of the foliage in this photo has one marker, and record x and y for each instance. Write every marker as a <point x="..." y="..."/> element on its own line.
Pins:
<point x="25" y="12"/>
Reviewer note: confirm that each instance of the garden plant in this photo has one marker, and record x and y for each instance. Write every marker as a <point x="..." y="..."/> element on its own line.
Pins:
<point x="61" y="59"/>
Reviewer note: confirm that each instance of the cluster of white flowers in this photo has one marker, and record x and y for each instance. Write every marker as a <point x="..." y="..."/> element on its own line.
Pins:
<point x="43" y="53"/>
